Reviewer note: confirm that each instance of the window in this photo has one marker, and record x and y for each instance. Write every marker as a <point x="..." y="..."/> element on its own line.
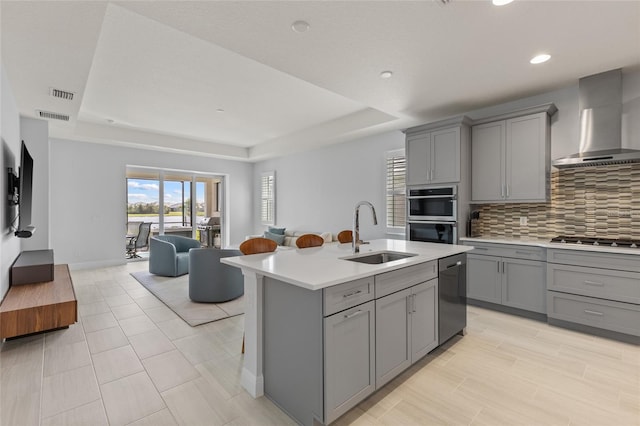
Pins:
<point x="396" y="202"/>
<point x="268" y="198"/>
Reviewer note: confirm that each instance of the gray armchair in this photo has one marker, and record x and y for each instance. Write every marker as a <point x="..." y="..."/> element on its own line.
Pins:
<point x="212" y="281"/>
<point x="169" y="254"/>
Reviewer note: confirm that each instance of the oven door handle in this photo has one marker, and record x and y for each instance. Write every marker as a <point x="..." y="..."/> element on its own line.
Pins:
<point x="423" y="197"/>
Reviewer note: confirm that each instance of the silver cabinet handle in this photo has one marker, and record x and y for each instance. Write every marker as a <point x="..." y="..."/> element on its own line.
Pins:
<point x="353" y="293"/>
<point x="501" y="191"/>
<point x="594" y="283"/>
<point x="355" y="314"/>
<point x="524" y="252"/>
<point x="507" y="186"/>
<point x="599" y="314"/>
<point x="498" y="263"/>
<point x="409" y="305"/>
<point x="413" y="302"/>
<point x="453" y="265"/>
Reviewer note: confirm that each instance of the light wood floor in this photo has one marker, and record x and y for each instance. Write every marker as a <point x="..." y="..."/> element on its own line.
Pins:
<point x="131" y="360"/>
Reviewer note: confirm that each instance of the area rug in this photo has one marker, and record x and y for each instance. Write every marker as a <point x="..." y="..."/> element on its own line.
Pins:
<point x="174" y="292"/>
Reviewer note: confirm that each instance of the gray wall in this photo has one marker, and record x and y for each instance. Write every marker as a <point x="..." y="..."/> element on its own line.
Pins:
<point x="9" y="157"/>
<point x="88" y="197"/>
<point x="317" y="190"/>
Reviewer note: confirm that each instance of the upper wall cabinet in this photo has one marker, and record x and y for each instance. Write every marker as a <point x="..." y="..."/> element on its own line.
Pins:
<point x="433" y="151"/>
<point x="510" y="156"/>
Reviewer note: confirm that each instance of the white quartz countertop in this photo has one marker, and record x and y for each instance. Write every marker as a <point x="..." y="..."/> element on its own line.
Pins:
<point x="319" y="267"/>
<point x="547" y="244"/>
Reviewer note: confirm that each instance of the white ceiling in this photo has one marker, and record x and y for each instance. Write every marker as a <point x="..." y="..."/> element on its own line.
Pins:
<point x="161" y="70"/>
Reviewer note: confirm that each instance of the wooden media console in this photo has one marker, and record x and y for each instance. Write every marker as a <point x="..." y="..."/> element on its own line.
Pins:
<point x="32" y="308"/>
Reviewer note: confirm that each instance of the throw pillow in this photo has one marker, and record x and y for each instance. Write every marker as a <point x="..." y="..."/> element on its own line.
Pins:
<point x="279" y="239"/>
<point x="279" y="231"/>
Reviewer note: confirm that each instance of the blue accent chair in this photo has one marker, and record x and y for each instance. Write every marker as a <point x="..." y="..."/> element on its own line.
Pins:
<point x="212" y="281"/>
<point x="169" y="254"/>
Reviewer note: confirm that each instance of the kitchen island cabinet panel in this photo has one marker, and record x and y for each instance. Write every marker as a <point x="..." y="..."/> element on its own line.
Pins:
<point x="406" y="329"/>
<point x="349" y="359"/>
<point x="392" y="336"/>
<point x="424" y="319"/>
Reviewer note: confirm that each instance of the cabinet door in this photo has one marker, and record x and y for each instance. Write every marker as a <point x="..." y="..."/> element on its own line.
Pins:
<point x="524" y="285"/>
<point x="526" y="158"/>
<point x="349" y="361"/>
<point x="484" y="278"/>
<point x="424" y="319"/>
<point x="487" y="162"/>
<point x="392" y="336"/>
<point x="445" y="155"/>
<point x="418" y="158"/>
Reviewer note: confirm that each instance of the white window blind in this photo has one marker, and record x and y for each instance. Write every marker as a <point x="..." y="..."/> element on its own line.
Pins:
<point x="396" y="201"/>
<point x="267" y="198"/>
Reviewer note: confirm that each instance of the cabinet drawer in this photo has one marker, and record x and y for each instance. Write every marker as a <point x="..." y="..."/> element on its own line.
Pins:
<point x="508" y="250"/>
<point x="603" y="283"/>
<point x="344" y="296"/>
<point x="605" y="314"/>
<point x="617" y="261"/>
<point x="393" y="281"/>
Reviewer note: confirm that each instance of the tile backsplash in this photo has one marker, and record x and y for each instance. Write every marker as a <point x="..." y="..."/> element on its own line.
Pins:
<point x="601" y="201"/>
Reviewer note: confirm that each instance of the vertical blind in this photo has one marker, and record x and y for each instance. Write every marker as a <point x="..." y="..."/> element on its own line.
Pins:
<point x="267" y="195"/>
<point x="396" y="201"/>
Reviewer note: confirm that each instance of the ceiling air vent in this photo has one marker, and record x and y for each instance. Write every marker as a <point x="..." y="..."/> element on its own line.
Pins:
<point x="62" y="94"/>
<point x="52" y="115"/>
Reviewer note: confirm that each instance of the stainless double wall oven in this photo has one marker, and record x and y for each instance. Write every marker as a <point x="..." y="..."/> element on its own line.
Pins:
<point x="432" y="214"/>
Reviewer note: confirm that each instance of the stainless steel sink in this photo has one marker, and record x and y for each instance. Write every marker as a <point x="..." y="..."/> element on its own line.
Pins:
<point x="379" y="257"/>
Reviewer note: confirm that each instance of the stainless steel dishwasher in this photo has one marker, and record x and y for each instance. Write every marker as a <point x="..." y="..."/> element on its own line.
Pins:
<point x="452" y="296"/>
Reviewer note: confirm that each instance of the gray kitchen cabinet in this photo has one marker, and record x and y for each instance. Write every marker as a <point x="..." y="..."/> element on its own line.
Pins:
<point x="433" y="151"/>
<point x="406" y="329"/>
<point x="321" y="347"/>
<point x="510" y="157"/>
<point x="507" y="275"/>
<point x="597" y="290"/>
<point x="484" y="279"/>
<point x="349" y="359"/>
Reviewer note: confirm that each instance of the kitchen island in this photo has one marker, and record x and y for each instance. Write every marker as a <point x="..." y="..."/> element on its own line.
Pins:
<point x="320" y="330"/>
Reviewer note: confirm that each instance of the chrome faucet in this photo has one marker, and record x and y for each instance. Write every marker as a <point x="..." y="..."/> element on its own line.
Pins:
<point x="356" y="241"/>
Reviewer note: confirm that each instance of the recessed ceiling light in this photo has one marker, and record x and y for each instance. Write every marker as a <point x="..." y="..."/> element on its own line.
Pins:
<point x="501" y="2"/>
<point x="220" y="110"/>
<point x="386" y="74"/>
<point x="109" y="120"/>
<point x="300" y="26"/>
<point x="540" y="58"/>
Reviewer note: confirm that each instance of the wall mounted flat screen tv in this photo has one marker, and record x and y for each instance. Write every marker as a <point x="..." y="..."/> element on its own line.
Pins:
<point x="25" y="229"/>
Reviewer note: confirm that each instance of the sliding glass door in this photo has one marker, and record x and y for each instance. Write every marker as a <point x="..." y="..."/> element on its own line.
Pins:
<point x="176" y="203"/>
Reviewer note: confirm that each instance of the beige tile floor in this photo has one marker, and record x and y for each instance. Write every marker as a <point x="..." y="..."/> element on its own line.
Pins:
<point x="131" y="360"/>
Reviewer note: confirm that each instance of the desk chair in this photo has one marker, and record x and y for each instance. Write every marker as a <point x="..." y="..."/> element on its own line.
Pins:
<point x="139" y="241"/>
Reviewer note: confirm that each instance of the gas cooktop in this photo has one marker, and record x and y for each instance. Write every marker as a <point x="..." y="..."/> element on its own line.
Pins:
<point x="594" y="241"/>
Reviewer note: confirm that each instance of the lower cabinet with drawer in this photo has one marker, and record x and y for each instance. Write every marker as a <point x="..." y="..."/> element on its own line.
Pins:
<point x="326" y="351"/>
<point x="606" y="297"/>
<point x="507" y="275"/>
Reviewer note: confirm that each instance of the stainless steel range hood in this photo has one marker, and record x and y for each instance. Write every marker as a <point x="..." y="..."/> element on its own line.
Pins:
<point x="600" y="103"/>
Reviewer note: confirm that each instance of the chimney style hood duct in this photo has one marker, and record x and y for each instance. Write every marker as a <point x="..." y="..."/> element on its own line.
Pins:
<point x="600" y="103"/>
